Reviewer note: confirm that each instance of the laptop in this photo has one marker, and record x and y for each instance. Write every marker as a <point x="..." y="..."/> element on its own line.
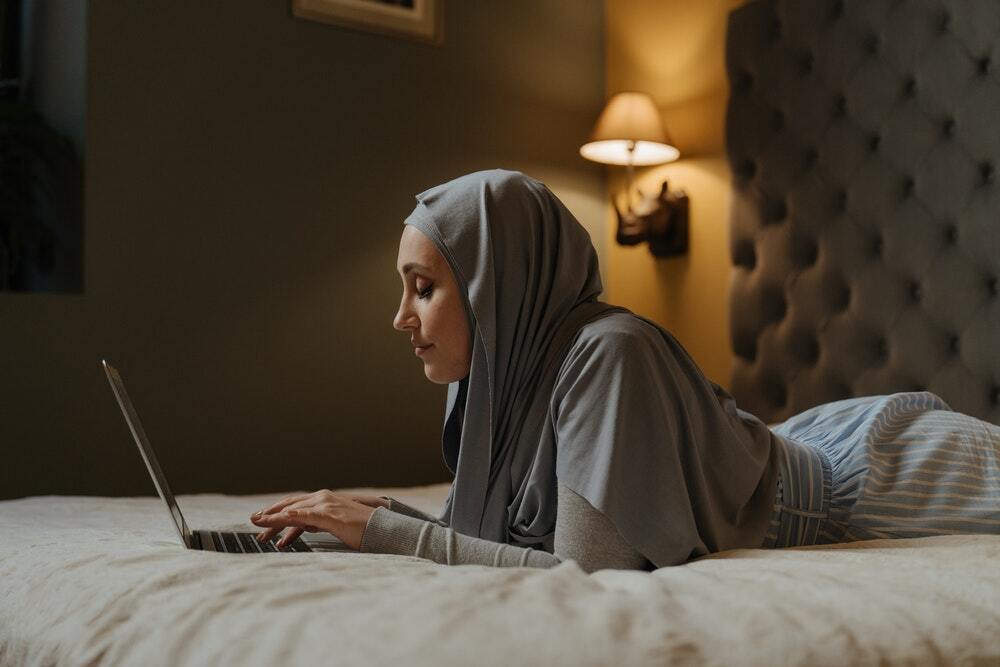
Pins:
<point x="204" y="540"/>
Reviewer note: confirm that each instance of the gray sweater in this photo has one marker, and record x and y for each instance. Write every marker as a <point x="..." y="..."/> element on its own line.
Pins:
<point x="582" y="533"/>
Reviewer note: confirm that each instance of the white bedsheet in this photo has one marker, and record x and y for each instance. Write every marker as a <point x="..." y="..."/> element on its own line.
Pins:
<point x="105" y="581"/>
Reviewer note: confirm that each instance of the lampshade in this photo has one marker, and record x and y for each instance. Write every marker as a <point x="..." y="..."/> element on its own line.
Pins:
<point x="627" y="118"/>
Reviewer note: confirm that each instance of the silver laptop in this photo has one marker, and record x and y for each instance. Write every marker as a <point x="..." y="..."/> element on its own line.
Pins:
<point x="205" y="540"/>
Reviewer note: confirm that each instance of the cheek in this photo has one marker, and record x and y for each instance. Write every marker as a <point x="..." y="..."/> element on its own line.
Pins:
<point x="458" y="328"/>
<point x="452" y="330"/>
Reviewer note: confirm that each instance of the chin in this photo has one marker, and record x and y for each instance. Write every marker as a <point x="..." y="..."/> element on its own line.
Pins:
<point x="438" y="377"/>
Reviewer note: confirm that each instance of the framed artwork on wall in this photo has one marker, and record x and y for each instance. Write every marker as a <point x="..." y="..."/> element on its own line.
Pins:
<point x="414" y="19"/>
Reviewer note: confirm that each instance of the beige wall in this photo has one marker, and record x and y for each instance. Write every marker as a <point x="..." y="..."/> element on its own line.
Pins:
<point x="247" y="174"/>
<point x="674" y="50"/>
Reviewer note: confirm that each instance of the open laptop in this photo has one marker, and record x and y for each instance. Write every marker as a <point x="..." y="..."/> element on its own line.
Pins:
<point x="205" y="540"/>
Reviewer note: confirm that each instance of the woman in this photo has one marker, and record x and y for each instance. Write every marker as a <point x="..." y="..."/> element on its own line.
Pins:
<point x="578" y="430"/>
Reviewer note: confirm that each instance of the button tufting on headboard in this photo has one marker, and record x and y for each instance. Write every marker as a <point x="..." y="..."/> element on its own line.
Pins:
<point x="873" y="141"/>
<point x="840" y="200"/>
<point x="882" y="350"/>
<point x="986" y="174"/>
<point x="951" y="234"/>
<point x="865" y="223"/>
<point x="877" y="245"/>
<point x="908" y="185"/>
<point x="871" y="44"/>
<point x="948" y="127"/>
<point x="842" y="301"/>
<point x="840" y="106"/>
<point x="745" y="255"/>
<point x="811" y="155"/>
<point x="806" y="59"/>
<point x="943" y="22"/>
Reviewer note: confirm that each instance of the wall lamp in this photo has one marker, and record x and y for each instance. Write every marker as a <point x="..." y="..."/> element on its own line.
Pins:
<point x="629" y="132"/>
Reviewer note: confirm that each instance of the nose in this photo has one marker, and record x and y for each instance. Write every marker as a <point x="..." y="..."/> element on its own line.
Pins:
<point x="405" y="319"/>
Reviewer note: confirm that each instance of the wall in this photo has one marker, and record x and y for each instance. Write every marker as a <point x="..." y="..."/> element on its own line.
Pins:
<point x="674" y="50"/>
<point x="247" y="174"/>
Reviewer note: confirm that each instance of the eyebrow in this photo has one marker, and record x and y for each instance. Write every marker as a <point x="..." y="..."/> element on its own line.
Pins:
<point x="409" y="266"/>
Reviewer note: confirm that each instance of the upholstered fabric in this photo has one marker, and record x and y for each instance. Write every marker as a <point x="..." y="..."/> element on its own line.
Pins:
<point x="104" y="581"/>
<point x="865" y="231"/>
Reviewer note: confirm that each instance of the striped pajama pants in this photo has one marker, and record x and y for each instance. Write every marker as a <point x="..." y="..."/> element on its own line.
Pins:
<point x="901" y="465"/>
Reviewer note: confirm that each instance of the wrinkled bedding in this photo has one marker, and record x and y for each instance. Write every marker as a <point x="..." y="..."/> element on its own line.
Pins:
<point x="105" y="581"/>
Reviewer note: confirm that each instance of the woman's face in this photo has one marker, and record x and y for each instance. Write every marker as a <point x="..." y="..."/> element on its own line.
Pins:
<point x="431" y="309"/>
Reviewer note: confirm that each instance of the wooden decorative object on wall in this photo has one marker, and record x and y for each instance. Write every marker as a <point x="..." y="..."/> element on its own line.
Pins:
<point x="414" y="19"/>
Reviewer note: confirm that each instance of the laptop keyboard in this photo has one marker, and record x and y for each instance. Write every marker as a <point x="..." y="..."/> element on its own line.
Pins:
<point x="236" y="543"/>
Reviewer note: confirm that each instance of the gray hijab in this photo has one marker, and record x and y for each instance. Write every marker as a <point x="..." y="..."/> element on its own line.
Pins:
<point x="530" y="277"/>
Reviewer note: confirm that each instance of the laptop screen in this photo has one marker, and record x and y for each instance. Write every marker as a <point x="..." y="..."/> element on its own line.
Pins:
<point x="147" y="452"/>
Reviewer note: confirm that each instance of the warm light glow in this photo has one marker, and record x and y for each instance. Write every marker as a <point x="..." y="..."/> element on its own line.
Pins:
<point x="615" y="151"/>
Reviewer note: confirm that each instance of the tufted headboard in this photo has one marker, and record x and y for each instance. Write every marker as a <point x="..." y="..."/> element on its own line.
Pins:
<point x="864" y="142"/>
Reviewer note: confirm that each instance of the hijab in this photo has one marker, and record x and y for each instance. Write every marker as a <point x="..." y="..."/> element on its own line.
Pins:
<point x="529" y="277"/>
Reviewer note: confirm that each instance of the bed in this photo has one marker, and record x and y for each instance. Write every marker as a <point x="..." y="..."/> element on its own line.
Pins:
<point x="865" y="252"/>
<point x="104" y="581"/>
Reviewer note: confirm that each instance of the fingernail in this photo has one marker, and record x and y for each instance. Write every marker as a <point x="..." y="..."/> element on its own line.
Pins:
<point x="256" y="513"/>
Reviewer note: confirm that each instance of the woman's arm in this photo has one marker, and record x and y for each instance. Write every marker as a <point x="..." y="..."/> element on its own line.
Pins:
<point x="582" y="534"/>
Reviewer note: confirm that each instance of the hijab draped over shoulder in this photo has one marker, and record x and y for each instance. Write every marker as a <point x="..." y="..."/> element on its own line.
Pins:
<point x="529" y="277"/>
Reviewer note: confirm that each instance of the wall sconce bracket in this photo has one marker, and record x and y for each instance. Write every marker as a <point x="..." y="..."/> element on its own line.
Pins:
<point x="661" y="220"/>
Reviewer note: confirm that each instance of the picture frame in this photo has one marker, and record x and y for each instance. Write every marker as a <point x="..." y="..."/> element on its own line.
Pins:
<point x="420" y="20"/>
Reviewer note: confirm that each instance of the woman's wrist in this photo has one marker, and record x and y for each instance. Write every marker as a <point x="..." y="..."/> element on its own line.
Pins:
<point x="391" y="533"/>
<point x="363" y="546"/>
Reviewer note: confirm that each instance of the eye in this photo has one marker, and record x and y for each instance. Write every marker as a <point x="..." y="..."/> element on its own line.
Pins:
<point x="425" y="292"/>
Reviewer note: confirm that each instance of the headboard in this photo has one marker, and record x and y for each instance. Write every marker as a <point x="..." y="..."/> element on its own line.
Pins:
<point x="864" y="142"/>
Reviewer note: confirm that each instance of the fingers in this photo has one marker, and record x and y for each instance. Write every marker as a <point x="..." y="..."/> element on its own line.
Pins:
<point x="298" y="518"/>
<point x="279" y="520"/>
<point x="299" y="513"/>
<point x="289" y="537"/>
<point x="295" y="500"/>
<point x="268" y="534"/>
<point x="287" y="501"/>
<point x="283" y="503"/>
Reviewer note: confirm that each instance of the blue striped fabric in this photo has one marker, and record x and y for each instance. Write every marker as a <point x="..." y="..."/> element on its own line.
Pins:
<point x="900" y="465"/>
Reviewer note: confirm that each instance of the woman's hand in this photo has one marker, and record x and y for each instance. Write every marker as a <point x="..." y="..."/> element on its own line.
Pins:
<point x="345" y="517"/>
<point x="371" y="501"/>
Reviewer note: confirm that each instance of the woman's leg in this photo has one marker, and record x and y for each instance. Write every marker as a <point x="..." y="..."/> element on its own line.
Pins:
<point x="899" y="465"/>
<point x="938" y="475"/>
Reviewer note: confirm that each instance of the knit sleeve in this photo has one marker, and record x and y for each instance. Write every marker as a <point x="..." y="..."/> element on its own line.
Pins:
<point x="582" y="534"/>
<point x="585" y="535"/>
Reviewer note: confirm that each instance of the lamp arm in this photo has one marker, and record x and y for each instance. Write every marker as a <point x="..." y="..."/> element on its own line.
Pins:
<point x="628" y="176"/>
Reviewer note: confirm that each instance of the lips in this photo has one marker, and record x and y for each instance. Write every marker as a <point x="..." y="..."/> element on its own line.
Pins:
<point x="420" y="349"/>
